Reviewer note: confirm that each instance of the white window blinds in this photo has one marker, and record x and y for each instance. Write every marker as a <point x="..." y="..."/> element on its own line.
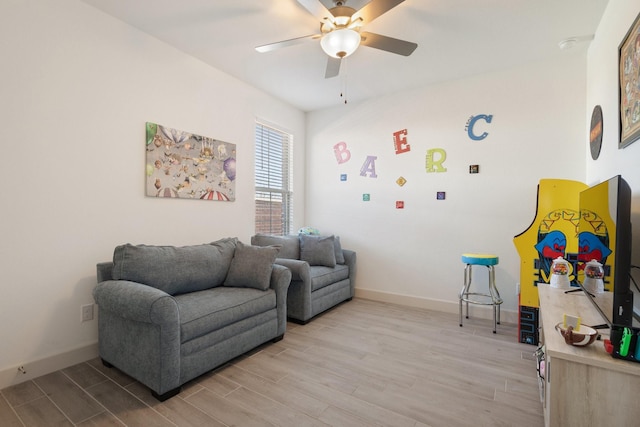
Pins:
<point x="273" y="180"/>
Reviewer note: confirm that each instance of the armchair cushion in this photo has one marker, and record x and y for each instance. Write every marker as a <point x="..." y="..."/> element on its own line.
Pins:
<point x="317" y="250"/>
<point x="251" y="266"/>
<point x="174" y="270"/>
<point x="213" y="309"/>
<point x="324" y="276"/>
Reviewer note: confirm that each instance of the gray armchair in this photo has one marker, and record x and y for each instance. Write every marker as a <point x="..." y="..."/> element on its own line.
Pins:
<point x="322" y="273"/>
<point x="169" y="314"/>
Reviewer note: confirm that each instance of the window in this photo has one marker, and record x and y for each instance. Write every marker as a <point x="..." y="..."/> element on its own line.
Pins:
<point x="274" y="199"/>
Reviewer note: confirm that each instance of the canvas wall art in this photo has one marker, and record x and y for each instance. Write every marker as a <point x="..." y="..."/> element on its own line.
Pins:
<point x="629" y="85"/>
<point x="188" y="166"/>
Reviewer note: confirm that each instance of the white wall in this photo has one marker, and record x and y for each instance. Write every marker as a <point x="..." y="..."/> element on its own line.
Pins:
<point x="77" y="87"/>
<point x="602" y="89"/>
<point x="413" y="255"/>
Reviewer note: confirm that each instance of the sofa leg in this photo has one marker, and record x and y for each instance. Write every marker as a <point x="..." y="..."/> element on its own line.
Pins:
<point x="167" y="395"/>
<point x="106" y="364"/>
<point x="278" y="338"/>
<point x="298" y="321"/>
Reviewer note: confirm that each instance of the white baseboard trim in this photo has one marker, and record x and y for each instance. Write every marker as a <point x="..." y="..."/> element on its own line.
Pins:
<point x="480" y="311"/>
<point x="36" y="368"/>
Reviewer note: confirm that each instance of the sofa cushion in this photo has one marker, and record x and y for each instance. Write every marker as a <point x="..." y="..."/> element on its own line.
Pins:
<point x="289" y="245"/>
<point x="251" y="266"/>
<point x="175" y="270"/>
<point x="324" y="276"/>
<point x="209" y="310"/>
<point x="318" y="250"/>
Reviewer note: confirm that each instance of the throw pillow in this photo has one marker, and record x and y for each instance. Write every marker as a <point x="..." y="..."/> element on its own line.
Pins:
<point x="318" y="250"/>
<point x="251" y="266"/>
<point x="290" y="246"/>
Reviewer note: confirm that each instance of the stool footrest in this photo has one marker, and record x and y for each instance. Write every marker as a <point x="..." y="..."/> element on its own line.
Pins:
<point x="490" y="300"/>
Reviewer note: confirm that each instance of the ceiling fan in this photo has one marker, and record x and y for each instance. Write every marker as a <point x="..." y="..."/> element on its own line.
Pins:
<point x="341" y="31"/>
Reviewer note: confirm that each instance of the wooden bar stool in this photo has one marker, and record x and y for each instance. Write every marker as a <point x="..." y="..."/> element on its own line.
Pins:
<point x="492" y="298"/>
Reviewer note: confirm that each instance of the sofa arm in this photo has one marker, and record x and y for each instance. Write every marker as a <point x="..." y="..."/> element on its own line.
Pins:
<point x="139" y="333"/>
<point x="350" y="261"/>
<point x="104" y="271"/>
<point x="280" y="280"/>
<point x="300" y="270"/>
<point x="137" y="302"/>
<point x="299" y="295"/>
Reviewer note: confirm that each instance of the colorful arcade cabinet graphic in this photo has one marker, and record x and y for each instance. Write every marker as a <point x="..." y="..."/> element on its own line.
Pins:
<point x="553" y="233"/>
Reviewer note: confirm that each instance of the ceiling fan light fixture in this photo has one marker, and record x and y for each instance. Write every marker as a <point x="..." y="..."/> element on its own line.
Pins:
<point x="340" y="43"/>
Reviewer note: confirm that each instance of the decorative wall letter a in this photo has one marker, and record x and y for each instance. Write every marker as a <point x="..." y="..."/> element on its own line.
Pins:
<point x="400" y="142"/>
<point x="342" y="154"/>
<point x="435" y="164"/>
<point x="369" y="165"/>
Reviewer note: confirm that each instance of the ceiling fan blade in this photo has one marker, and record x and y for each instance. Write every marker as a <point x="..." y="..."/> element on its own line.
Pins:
<point x="317" y="9"/>
<point x="333" y="67"/>
<point x="285" y="43"/>
<point x="378" y="41"/>
<point x="375" y="8"/>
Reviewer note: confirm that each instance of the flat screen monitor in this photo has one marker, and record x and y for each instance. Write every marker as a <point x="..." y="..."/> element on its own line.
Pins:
<point x="605" y="236"/>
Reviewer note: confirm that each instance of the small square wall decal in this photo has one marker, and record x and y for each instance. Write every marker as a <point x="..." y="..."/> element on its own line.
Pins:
<point x="366" y="197"/>
<point x="441" y="195"/>
<point x="399" y="204"/>
<point x="343" y="177"/>
<point x="401" y="181"/>
<point x="474" y="168"/>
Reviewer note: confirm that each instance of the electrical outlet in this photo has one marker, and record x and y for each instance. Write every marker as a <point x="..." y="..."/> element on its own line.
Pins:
<point x="86" y="312"/>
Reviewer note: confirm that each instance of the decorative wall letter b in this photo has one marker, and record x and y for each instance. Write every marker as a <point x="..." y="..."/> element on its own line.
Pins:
<point x="342" y="154"/>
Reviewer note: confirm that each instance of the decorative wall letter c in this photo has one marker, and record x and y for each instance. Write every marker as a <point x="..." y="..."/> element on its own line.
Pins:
<point x="472" y="121"/>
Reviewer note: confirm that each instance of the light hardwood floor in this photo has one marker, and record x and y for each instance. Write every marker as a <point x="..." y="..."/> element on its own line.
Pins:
<point x="363" y="363"/>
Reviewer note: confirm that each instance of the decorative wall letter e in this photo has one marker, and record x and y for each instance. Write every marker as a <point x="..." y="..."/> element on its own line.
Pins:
<point x="369" y="165"/>
<point x="342" y="154"/>
<point x="400" y="142"/>
<point x="435" y="164"/>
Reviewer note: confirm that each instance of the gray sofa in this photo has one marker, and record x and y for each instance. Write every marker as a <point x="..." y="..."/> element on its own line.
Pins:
<point x="169" y="314"/>
<point x="322" y="272"/>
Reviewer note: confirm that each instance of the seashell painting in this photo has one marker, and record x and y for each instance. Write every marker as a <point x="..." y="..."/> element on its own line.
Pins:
<point x="184" y="165"/>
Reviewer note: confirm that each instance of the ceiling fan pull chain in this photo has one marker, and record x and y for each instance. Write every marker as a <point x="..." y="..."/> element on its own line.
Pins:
<point x="343" y="79"/>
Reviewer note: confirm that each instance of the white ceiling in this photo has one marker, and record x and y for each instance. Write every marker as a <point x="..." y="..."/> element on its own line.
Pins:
<point x="456" y="39"/>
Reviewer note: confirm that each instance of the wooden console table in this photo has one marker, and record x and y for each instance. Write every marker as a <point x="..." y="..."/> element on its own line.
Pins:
<point x="584" y="386"/>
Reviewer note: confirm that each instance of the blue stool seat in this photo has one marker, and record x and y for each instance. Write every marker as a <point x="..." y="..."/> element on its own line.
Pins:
<point x="492" y="297"/>
<point x="480" y="259"/>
